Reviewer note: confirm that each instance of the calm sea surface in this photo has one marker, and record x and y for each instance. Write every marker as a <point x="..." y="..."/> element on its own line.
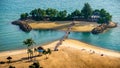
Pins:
<point x="11" y="36"/>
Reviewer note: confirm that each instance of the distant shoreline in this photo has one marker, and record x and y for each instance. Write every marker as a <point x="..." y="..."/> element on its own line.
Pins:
<point x="79" y="26"/>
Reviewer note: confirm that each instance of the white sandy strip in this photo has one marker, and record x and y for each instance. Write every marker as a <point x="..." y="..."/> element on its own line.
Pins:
<point x="89" y="48"/>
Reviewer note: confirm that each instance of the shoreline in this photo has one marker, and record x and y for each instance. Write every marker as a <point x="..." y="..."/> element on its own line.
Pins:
<point x="99" y="50"/>
<point x="79" y="53"/>
<point x="86" y="46"/>
<point x="79" y="26"/>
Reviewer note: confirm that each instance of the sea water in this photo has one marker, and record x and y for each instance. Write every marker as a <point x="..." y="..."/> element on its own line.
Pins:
<point x="11" y="37"/>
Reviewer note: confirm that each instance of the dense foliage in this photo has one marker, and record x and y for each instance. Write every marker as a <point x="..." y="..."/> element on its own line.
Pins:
<point x="86" y="11"/>
<point x="55" y="15"/>
<point x="105" y="17"/>
<point x="35" y="65"/>
<point x="24" y="16"/>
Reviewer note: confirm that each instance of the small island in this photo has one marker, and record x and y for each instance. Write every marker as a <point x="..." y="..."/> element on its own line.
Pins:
<point x="57" y="41"/>
<point x="85" y="20"/>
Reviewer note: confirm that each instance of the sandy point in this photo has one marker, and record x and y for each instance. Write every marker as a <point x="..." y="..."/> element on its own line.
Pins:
<point x="71" y="54"/>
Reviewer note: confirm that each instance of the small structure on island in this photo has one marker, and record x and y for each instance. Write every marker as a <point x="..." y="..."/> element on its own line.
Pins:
<point x="46" y="18"/>
<point x="94" y="18"/>
<point x="78" y="18"/>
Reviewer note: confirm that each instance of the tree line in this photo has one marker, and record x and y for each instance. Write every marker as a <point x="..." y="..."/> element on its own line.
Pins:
<point x="55" y="15"/>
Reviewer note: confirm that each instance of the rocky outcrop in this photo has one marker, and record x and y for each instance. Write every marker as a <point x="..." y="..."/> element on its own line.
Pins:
<point x="23" y="26"/>
<point x="102" y="27"/>
<point x="99" y="29"/>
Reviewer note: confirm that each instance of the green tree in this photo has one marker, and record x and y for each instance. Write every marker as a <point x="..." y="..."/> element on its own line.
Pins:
<point x="29" y="42"/>
<point x="33" y="13"/>
<point x="24" y="16"/>
<point x="62" y="15"/>
<point x="96" y="12"/>
<point x="75" y="13"/>
<point x="35" y="53"/>
<point x="38" y="14"/>
<point x="86" y="11"/>
<point x="108" y="18"/>
<point x="100" y="20"/>
<point x="105" y="17"/>
<point x="102" y="12"/>
<point x="51" y="12"/>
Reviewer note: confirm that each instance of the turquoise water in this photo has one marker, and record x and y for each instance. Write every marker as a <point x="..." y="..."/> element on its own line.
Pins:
<point x="11" y="36"/>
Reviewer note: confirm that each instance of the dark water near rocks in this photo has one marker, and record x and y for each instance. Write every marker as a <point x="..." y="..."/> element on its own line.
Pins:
<point x="11" y="36"/>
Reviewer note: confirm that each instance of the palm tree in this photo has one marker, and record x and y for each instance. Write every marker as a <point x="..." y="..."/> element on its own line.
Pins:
<point x="29" y="42"/>
<point x="30" y="53"/>
<point x="35" y="52"/>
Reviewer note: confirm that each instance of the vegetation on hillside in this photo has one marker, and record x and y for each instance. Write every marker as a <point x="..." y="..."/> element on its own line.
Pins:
<point x="101" y="16"/>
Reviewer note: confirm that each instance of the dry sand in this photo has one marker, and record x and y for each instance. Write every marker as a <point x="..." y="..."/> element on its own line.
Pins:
<point x="80" y="26"/>
<point x="71" y="54"/>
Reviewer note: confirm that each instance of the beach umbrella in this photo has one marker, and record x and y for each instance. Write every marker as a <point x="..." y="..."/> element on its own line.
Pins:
<point x="9" y="58"/>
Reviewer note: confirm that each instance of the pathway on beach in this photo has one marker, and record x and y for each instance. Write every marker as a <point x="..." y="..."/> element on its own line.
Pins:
<point x="65" y="36"/>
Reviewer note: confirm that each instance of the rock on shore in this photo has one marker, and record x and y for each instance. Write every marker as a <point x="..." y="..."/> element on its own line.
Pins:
<point x="23" y="26"/>
<point x="99" y="29"/>
<point x="102" y="27"/>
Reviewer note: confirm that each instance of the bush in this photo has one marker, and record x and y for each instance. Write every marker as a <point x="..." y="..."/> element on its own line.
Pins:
<point x="32" y="66"/>
<point x="35" y="65"/>
<point x="11" y="66"/>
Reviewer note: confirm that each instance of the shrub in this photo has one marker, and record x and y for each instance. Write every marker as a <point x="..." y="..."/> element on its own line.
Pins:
<point x="32" y="66"/>
<point x="11" y="66"/>
<point x="35" y="65"/>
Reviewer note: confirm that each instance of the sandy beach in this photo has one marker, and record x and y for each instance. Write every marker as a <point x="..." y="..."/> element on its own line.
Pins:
<point x="80" y="26"/>
<point x="71" y="54"/>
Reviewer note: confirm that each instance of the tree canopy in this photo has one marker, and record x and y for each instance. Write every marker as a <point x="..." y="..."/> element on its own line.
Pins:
<point x="86" y="11"/>
<point x="24" y="16"/>
<point x="105" y="17"/>
<point x="56" y="15"/>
